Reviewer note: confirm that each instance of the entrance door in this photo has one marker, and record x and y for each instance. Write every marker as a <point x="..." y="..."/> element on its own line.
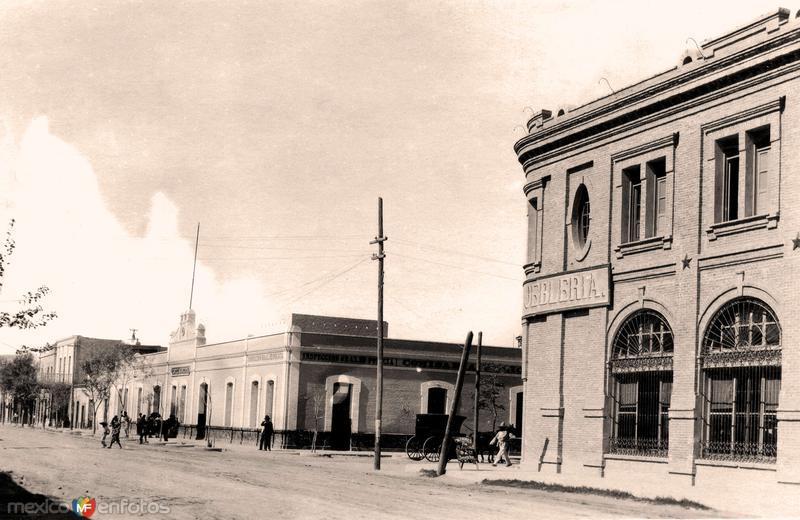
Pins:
<point x="340" y="417"/>
<point x="201" y="411"/>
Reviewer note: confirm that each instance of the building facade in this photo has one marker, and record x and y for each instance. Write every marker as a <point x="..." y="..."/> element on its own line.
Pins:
<point x="59" y="368"/>
<point x="314" y="373"/>
<point x="660" y="340"/>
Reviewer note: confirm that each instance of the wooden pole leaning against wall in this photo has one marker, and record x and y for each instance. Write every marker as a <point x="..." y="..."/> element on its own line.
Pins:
<point x="462" y="368"/>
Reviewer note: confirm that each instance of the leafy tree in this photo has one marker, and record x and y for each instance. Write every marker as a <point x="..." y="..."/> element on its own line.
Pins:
<point x="18" y="380"/>
<point x="59" y="396"/>
<point x="100" y="370"/>
<point x="31" y="314"/>
<point x="490" y="395"/>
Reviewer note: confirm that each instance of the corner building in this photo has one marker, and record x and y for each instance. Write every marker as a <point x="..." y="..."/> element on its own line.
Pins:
<point x="661" y="341"/>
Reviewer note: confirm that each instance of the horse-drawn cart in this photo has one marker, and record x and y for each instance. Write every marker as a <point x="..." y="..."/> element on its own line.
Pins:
<point x="428" y="435"/>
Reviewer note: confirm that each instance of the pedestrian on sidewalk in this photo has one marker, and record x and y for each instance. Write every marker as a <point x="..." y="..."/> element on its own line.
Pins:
<point x="501" y="440"/>
<point x="116" y="426"/>
<point x="106" y="431"/>
<point x="266" y="434"/>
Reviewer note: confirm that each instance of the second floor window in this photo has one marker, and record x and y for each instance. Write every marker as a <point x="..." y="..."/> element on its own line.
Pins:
<point x="644" y="201"/>
<point x="743" y="175"/>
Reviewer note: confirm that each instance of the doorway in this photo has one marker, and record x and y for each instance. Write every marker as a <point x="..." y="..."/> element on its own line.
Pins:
<point x="202" y="406"/>
<point x="341" y="422"/>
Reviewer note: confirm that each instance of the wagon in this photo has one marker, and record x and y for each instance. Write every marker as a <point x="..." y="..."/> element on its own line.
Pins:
<point x="428" y="435"/>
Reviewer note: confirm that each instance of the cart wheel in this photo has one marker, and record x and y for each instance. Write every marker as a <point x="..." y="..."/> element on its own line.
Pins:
<point x="432" y="449"/>
<point x="413" y="449"/>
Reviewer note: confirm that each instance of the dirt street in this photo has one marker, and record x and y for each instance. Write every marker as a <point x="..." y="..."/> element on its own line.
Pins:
<point x="195" y="483"/>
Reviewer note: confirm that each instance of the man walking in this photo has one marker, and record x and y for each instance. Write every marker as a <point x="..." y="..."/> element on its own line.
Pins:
<point x="266" y="434"/>
<point x="501" y="440"/>
<point x="105" y="433"/>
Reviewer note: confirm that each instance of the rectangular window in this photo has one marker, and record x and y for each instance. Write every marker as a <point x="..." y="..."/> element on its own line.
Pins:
<point x="641" y="418"/>
<point x="533" y="230"/>
<point x="741" y="413"/>
<point x="744" y="179"/>
<point x="632" y="203"/>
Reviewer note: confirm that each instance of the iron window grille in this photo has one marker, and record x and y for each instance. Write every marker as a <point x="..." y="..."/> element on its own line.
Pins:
<point x="641" y="368"/>
<point x="741" y="366"/>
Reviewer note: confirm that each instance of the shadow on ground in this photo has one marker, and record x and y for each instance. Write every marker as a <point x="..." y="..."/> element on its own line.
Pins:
<point x="18" y="502"/>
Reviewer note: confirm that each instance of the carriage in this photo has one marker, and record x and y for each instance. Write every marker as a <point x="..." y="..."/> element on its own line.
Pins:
<point x="428" y="435"/>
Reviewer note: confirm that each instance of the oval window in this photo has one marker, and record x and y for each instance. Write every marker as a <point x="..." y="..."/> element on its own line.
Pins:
<point x="580" y="217"/>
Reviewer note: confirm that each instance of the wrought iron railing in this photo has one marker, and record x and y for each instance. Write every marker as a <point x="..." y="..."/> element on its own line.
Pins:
<point x="639" y="447"/>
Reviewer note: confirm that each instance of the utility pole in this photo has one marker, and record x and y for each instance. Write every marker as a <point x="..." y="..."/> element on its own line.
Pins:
<point x="462" y="368"/>
<point x="380" y="239"/>
<point x="477" y="388"/>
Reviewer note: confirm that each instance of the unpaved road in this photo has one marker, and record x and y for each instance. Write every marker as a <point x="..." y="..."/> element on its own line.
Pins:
<point x="195" y="483"/>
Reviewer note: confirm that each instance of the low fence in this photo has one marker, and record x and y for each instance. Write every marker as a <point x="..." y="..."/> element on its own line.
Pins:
<point x="302" y="439"/>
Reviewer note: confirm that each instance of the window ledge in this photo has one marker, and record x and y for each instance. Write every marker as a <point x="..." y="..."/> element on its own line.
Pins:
<point x="532" y="268"/>
<point x="763" y="466"/>
<point x="721" y="229"/>
<point x="636" y="458"/>
<point x="641" y="246"/>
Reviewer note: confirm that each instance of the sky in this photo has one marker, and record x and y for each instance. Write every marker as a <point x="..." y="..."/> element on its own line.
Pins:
<point x="276" y="126"/>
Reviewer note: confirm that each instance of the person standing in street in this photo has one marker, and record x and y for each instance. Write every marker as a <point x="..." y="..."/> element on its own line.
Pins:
<point x="106" y="431"/>
<point x="266" y="434"/>
<point x="141" y="424"/>
<point x="116" y="426"/>
<point x="501" y="440"/>
<point x="126" y="421"/>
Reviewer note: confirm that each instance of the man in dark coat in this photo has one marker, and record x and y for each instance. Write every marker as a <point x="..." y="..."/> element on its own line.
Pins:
<point x="266" y="434"/>
<point x="140" y="429"/>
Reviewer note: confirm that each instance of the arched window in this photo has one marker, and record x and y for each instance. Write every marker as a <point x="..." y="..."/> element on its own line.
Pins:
<point x="228" y="404"/>
<point x="254" y="422"/>
<point x="641" y="385"/>
<point x="740" y="358"/>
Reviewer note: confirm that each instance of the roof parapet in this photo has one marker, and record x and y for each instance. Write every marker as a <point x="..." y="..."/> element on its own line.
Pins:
<point x="538" y="119"/>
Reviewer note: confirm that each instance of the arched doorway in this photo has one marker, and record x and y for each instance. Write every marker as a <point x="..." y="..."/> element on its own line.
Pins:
<point x="202" y="406"/>
<point x="341" y="423"/>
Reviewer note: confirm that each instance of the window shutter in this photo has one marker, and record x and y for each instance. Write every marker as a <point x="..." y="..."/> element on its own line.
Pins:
<point x="762" y="181"/>
<point x="661" y="206"/>
<point x="719" y="183"/>
<point x="625" y="203"/>
<point x="649" y="202"/>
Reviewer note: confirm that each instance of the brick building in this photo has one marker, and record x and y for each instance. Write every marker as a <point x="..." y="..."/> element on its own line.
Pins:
<point x="660" y="333"/>
<point x="313" y="372"/>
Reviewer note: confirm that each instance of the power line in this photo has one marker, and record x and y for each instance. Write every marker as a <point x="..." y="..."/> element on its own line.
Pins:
<point x="250" y="258"/>
<point x="326" y="282"/>
<point x="290" y="289"/>
<point x="457" y="267"/>
<point x="453" y="251"/>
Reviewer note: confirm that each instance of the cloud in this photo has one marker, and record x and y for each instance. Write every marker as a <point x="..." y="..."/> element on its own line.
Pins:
<point x="104" y="281"/>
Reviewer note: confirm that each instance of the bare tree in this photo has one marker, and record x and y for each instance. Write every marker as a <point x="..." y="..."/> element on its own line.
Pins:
<point x="316" y="400"/>
<point x="490" y="396"/>
<point x="30" y="315"/>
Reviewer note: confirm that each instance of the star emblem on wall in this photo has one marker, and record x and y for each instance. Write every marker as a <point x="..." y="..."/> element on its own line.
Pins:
<point x="686" y="261"/>
<point x="796" y="242"/>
